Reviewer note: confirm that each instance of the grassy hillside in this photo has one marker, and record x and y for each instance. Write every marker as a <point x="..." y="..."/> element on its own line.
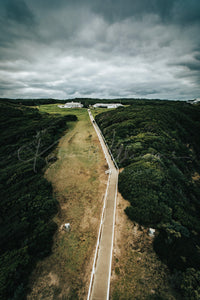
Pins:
<point x="157" y="144"/>
<point x="27" y="206"/>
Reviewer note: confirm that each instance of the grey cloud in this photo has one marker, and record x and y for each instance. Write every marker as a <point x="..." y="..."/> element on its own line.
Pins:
<point x="114" y="10"/>
<point x="117" y="10"/>
<point x="193" y="66"/>
<point x="99" y="48"/>
<point x="19" y="11"/>
<point x="197" y="56"/>
<point x="17" y="23"/>
<point x="186" y="12"/>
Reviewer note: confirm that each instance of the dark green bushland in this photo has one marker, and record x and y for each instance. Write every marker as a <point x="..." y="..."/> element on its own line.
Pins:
<point x="85" y="101"/>
<point x="27" y="205"/>
<point x="157" y="144"/>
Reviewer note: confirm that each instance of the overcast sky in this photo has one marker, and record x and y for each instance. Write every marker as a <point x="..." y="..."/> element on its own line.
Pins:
<point x="100" y="48"/>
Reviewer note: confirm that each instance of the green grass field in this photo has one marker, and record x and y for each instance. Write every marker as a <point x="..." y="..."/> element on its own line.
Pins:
<point x="54" y="109"/>
<point x="98" y="111"/>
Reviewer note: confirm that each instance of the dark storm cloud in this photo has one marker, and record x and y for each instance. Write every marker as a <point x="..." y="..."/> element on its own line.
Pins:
<point x="19" y="12"/>
<point x="110" y="48"/>
<point x="192" y="66"/>
<point x="115" y="10"/>
<point x="186" y="12"/>
<point x="17" y="23"/>
<point x="182" y="11"/>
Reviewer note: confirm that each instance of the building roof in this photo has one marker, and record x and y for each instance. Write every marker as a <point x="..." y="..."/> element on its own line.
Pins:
<point x="107" y="104"/>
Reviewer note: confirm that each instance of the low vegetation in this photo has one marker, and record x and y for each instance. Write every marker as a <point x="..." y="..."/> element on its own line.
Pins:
<point x="27" y="204"/>
<point x="157" y="145"/>
<point x="137" y="272"/>
<point x="85" y="101"/>
<point x="79" y="183"/>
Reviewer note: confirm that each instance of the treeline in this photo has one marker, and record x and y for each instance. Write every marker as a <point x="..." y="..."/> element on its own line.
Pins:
<point x="85" y="101"/>
<point x="33" y="102"/>
<point x="27" y="204"/>
<point x="158" y="145"/>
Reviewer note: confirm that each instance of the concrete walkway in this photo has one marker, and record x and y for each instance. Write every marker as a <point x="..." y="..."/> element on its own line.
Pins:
<point x="100" y="280"/>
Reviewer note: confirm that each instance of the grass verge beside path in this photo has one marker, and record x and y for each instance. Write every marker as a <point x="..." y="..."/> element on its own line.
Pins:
<point x="79" y="183"/>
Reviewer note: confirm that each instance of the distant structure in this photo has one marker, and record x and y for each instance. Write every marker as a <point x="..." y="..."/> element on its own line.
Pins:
<point x="151" y="232"/>
<point x="195" y="101"/>
<point x="71" y="105"/>
<point x="67" y="227"/>
<point x="107" y="105"/>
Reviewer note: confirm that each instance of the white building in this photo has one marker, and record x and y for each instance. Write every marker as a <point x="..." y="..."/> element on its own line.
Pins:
<point x="195" y="101"/>
<point x="71" y="105"/>
<point x="107" y="105"/>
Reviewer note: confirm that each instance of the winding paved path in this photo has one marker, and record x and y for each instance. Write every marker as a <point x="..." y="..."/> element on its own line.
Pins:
<point x="100" y="279"/>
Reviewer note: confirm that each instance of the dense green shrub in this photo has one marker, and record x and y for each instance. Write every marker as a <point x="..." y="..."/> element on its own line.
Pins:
<point x="85" y="101"/>
<point x="158" y="145"/>
<point x="188" y="283"/>
<point x="27" y="204"/>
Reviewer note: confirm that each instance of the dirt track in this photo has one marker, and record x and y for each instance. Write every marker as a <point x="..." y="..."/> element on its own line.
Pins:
<point x="101" y="279"/>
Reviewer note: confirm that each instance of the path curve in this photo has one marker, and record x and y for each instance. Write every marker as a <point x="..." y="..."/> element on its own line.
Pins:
<point x="100" y="278"/>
